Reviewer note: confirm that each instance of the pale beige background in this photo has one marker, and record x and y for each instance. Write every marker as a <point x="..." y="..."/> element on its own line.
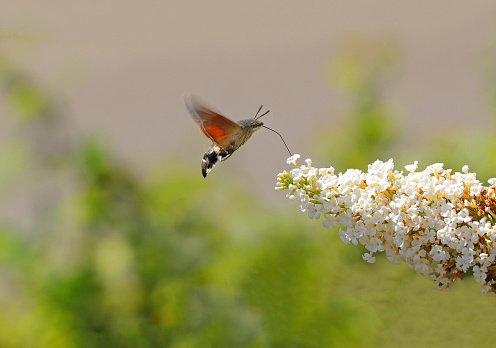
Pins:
<point x="123" y="67"/>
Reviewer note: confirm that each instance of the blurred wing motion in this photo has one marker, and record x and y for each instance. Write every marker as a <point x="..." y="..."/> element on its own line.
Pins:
<point x="218" y="128"/>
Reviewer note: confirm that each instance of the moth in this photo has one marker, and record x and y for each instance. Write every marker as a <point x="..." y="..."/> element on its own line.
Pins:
<point x="227" y="136"/>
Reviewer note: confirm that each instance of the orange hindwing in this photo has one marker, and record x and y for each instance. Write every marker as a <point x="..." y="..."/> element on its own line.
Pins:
<point x="218" y="128"/>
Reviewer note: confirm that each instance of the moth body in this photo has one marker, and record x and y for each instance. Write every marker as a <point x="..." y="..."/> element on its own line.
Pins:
<point x="227" y="136"/>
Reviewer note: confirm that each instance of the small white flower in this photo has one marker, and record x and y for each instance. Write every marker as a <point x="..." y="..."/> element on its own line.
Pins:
<point x="476" y="190"/>
<point x="464" y="215"/>
<point x="412" y="167"/>
<point x="369" y="258"/>
<point x="344" y="237"/>
<point x="480" y="274"/>
<point x="438" y="254"/>
<point x="326" y="223"/>
<point x="293" y="159"/>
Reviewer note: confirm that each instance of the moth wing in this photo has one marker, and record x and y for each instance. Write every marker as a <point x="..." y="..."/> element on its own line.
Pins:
<point x="215" y="126"/>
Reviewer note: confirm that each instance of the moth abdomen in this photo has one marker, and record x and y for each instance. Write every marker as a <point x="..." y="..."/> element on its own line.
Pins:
<point x="213" y="154"/>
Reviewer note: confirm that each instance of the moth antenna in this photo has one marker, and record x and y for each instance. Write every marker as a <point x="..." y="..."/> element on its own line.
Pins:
<point x="262" y="115"/>
<point x="261" y="106"/>
<point x="280" y="136"/>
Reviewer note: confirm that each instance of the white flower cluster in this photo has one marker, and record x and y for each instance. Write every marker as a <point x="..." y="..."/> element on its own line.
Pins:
<point x="441" y="224"/>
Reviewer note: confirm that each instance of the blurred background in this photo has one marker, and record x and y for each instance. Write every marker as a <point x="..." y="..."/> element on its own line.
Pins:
<point x="109" y="235"/>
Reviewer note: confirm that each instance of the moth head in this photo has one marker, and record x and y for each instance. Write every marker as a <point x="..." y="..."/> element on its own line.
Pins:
<point x="256" y="124"/>
<point x="251" y="124"/>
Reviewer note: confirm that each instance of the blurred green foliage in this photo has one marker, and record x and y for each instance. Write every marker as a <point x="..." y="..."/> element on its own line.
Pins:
<point x="361" y="74"/>
<point x="364" y="74"/>
<point x="95" y="256"/>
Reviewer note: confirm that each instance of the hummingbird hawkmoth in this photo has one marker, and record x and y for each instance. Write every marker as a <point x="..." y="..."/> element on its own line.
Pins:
<point x="227" y="135"/>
